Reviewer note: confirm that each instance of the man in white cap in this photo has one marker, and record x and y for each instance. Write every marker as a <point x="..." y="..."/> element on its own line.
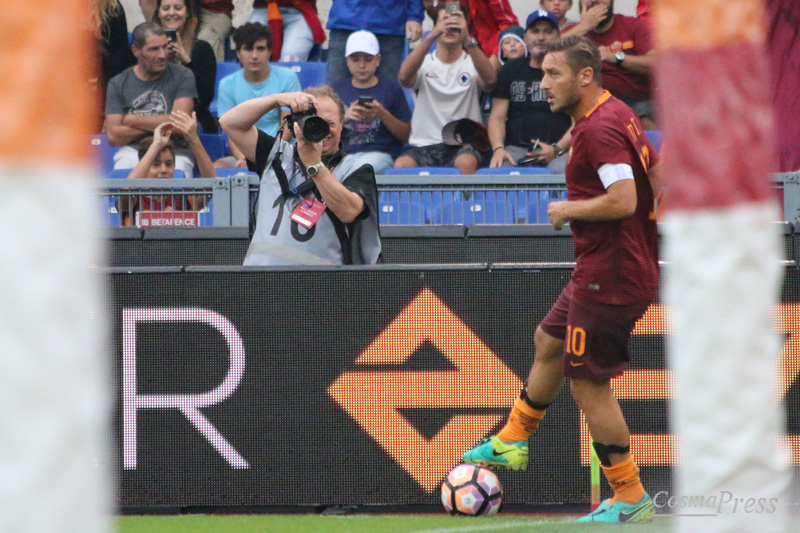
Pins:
<point x="378" y="119"/>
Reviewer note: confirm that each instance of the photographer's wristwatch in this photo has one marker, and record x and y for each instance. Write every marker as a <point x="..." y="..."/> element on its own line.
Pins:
<point x="472" y="44"/>
<point x="313" y="170"/>
<point x="620" y="57"/>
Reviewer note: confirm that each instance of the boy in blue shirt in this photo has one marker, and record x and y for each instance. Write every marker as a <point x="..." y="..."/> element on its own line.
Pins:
<point x="378" y="119"/>
<point x="257" y="78"/>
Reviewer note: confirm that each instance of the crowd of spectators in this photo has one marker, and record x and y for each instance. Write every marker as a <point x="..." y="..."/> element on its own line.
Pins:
<point x="476" y="53"/>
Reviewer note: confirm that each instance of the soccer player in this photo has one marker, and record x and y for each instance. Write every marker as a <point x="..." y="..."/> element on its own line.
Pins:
<point x="610" y="184"/>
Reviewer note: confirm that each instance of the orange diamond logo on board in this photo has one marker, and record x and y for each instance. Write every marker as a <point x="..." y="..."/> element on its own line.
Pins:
<point x="374" y="398"/>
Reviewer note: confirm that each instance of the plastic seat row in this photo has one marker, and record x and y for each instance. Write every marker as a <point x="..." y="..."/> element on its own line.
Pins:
<point x="466" y="207"/>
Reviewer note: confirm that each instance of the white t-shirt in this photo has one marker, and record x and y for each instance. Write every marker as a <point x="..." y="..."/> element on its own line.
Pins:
<point x="444" y="93"/>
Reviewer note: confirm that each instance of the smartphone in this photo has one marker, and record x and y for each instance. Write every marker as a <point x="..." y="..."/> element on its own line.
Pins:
<point x="365" y="101"/>
<point x="452" y="7"/>
<point x="172" y="35"/>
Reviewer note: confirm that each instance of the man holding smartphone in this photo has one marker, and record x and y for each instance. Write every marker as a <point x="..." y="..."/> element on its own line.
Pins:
<point x="378" y="119"/>
<point x="447" y="83"/>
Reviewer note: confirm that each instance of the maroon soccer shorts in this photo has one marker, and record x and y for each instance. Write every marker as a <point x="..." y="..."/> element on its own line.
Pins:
<point x="596" y="335"/>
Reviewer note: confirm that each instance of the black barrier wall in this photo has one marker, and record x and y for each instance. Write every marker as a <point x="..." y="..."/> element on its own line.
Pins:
<point x="360" y="386"/>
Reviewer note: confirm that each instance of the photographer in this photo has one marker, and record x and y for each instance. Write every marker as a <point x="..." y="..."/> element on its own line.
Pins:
<point x="317" y="205"/>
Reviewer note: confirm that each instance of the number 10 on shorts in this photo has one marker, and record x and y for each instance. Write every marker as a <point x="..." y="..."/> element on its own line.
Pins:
<point x="575" y="341"/>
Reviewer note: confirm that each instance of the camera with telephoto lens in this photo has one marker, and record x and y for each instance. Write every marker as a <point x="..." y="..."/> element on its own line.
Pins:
<point x="313" y="127"/>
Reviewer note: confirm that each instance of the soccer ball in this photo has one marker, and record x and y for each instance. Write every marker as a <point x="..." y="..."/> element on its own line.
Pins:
<point x="471" y="490"/>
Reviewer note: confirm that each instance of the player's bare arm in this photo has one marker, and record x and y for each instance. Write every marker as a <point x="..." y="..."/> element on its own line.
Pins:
<point x="619" y="201"/>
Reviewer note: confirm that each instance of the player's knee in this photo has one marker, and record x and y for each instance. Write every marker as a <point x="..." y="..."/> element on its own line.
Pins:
<point x="586" y="391"/>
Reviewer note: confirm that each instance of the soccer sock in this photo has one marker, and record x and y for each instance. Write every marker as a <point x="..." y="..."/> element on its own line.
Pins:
<point x="624" y="479"/>
<point x="522" y="421"/>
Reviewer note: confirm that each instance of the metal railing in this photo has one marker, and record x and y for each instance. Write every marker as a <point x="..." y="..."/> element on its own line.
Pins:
<point x="430" y="199"/>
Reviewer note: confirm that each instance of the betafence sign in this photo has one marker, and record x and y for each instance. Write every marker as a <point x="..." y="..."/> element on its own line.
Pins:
<point x="336" y="387"/>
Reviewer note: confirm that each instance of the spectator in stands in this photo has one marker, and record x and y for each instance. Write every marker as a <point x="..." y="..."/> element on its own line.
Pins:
<point x="520" y="116"/>
<point x="215" y="25"/>
<point x="559" y="8"/>
<point x="447" y="83"/>
<point x="627" y="55"/>
<point x="108" y="24"/>
<point x="376" y="129"/>
<point x="189" y="51"/>
<point x="295" y="25"/>
<point x="392" y="21"/>
<point x="317" y="205"/>
<point x="143" y="96"/>
<point x="157" y="160"/>
<point x="257" y="78"/>
<point x="511" y="45"/>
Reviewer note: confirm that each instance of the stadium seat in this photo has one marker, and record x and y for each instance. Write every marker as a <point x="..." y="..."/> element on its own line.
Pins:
<point x="401" y="207"/>
<point x="482" y="207"/>
<point x="224" y="68"/>
<point x="310" y="73"/>
<point x="422" y="171"/>
<point x="216" y="144"/>
<point x="513" y="171"/>
<point x="205" y="217"/>
<point x="233" y="171"/>
<point x="410" y="99"/>
<point x="109" y="216"/>
<point x="122" y="173"/>
<point x="655" y="138"/>
<point x="538" y="202"/>
<point x="102" y="152"/>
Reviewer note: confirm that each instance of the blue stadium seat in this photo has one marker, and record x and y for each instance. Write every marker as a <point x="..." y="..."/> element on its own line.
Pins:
<point x="410" y="99"/>
<point x="401" y="207"/>
<point x="122" y="173"/>
<point x="655" y="138"/>
<point x="538" y="202"/>
<point x="102" y="152"/>
<point x="109" y="216"/>
<point x="224" y="68"/>
<point x="310" y="73"/>
<point x="233" y="171"/>
<point x="514" y="171"/>
<point x="422" y="171"/>
<point x="216" y="144"/>
<point x="494" y="207"/>
<point x="205" y="217"/>
<point x="481" y="207"/>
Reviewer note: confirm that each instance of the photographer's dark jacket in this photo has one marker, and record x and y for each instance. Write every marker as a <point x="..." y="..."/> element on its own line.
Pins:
<point x="278" y="240"/>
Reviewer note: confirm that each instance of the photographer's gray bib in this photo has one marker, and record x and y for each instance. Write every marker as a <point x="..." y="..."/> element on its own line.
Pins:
<point x="278" y="240"/>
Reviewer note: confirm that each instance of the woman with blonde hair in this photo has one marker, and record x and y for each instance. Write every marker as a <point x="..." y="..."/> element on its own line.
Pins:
<point x="187" y="50"/>
<point x="110" y="29"/>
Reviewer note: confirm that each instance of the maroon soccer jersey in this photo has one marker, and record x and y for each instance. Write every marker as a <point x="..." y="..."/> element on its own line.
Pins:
<point x="617" y="260"/>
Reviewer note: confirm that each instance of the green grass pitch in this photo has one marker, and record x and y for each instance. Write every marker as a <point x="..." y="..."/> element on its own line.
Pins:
<point x="404" y="523"/>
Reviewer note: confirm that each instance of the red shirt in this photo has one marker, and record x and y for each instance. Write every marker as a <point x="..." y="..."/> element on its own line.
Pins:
<point x="617" y="260"/>
<point x="632" y="36"/>
<point x="218" y="6"/>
